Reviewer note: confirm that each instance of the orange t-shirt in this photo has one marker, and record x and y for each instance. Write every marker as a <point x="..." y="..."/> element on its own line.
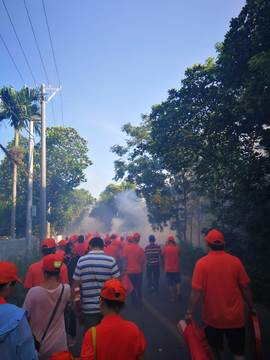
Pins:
<point x="79" y="248"/>
<point x="118" y="244"/>
<point x="34" y="276"/>
<point x="171" y="253"/>
<point x="111" y="251"/>
<point x="220" y="276"/>
<point x="134" y="254"/>
<point x="115" y="339"/>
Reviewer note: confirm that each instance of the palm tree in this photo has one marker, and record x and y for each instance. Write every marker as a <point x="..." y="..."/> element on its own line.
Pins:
<point x="18" y="108"/>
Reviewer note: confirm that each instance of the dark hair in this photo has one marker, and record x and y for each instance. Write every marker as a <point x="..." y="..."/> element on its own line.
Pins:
<point x="48" y="251"/>
<point x="52" y="273"/>
<point x="68" y="246"/>
<point x="96" y="242"/>
<point x="3" y="285"/>
<point x="216" y="247"/>
<point x="113" y="304"/>
<point x="81" y="239"/>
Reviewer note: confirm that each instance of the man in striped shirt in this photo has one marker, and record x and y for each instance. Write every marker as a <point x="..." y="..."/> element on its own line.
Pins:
<point x="92" y="271"/>
<point x="152" y="253"/>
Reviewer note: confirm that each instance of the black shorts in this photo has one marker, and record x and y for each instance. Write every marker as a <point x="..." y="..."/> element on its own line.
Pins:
<point x="235" y="338"/>
<point x="173" y="277"/>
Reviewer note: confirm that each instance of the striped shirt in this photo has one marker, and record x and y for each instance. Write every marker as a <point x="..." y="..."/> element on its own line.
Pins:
<point x="152" y="253"/>
<point x="93" y="270"/>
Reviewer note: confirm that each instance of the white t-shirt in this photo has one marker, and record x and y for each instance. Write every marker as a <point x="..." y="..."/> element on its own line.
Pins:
<point x="40" y="304"/>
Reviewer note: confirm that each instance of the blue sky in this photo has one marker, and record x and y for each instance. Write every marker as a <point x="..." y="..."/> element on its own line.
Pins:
<point x="115" y="58"/>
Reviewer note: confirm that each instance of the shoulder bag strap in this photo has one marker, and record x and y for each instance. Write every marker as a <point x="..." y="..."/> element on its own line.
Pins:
<point x="54" y="311"/>
<point x="94" y="341"/>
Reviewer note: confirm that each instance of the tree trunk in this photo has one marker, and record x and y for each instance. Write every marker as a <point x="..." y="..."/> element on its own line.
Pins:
<point x="14" y="191"/>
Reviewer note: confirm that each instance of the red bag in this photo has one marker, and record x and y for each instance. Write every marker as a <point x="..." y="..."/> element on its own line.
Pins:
<point x="127" y="284"/>
<point x="196" y="341"/>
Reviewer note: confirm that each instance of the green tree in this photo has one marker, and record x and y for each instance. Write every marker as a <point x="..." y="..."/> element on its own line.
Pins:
<point x="18" y="108"/>
<point x="63" y="177"/>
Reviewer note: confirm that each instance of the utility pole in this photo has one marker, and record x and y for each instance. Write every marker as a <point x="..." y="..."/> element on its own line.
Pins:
<point x="30" y="191"/>
<point x="43" y="204"/>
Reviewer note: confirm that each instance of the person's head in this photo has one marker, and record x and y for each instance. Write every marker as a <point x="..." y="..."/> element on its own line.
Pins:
<point x="96" y="243"/>
<point x="170" y="240"/>
<point x="130" y="239"/>
<point x="107" y="240"/>
<point x="81" y="239"/>
<point x="152" y="239"/>
<point x="136" y="237"/>
<point x="51" y="266"/>
<point x="113" y="237"/>
<point x="70" y="248"/>
<point x="112" y="297"/>
<point x="8" y="279"/>
<point x="61" y="244"/>
<point x="48" y="246"/>
<point x="215" y="240"/>
<point x="122" y="238"/>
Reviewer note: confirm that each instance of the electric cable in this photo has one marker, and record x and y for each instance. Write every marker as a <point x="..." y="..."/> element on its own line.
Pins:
<point x="12" y="59"/>
<point x="19" y="41"/>
<point x="54" y="59"/>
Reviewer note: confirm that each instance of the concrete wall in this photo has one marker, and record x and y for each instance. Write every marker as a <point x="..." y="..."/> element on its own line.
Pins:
<point x="14" y="247"/>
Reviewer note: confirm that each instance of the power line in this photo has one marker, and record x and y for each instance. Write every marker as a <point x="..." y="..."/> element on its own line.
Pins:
<point x="36" y="41"/>
<point x="54" y="58"/>
<point x="39" y="54"/>
<point x="12" y="59"/>
<point x="19" y="41"/>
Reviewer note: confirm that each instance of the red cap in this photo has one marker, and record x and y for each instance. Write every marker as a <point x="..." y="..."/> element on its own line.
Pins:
<point x="215" y="237"/>
<point x="98" y="235"/>
<point x="52" y="262"/>
<point x="122" y="238"/>
<point x="107" y="240"/>
<point x="171" y="238"/>
<point x="113" y="235"/>
<point x="113" y="290"/>
<point x="137" y="236"/>
<point x="8" y="272"/>
<point x="129" y="238"/>
<point x="61" y="243"/>
<point x="116" y="235"/>
<point x="62" y="355"/>
<point x="48" y="243"/>
<point x="90" y="233"/>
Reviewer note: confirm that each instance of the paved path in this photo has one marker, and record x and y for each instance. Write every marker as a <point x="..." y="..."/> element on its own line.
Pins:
<point x="158" y="319"/>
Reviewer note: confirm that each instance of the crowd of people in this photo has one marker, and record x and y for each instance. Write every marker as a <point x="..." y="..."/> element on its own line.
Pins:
<point x="81" y="278"/>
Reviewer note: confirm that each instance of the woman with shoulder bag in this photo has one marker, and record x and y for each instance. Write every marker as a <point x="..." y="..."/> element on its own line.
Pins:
<point x="45" y="305"/>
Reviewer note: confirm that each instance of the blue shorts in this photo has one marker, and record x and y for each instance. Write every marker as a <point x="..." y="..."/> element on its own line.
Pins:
<point x="173" y="277"/>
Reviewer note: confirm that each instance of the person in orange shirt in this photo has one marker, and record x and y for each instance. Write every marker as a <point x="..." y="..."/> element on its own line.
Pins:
<point x="224" y="282"/>
<point x="61" y="249"/>
<point x="115" y="338"/>
<point x="134" y="261"/>
<point x="34" y="276"/>
<point x="110" y="249"/>
<point x="79" y="246"/>
<point x="172" y="267"/>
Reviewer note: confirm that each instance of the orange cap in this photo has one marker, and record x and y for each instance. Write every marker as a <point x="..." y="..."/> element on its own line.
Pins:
<point x="48" y="243"/>
<point x="215" y="237"/>
<point x="8" y="272"/>
<point x="113" y="290"/>
<point x="52" y="262"/>
<point x="137" y="236"/>
<point x="61" y="243"/>
<point x="171" y="238"/>
<point x="107" y="240"/>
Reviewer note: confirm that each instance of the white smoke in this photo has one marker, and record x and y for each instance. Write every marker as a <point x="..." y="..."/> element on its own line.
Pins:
<point x="133" y="212"/>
